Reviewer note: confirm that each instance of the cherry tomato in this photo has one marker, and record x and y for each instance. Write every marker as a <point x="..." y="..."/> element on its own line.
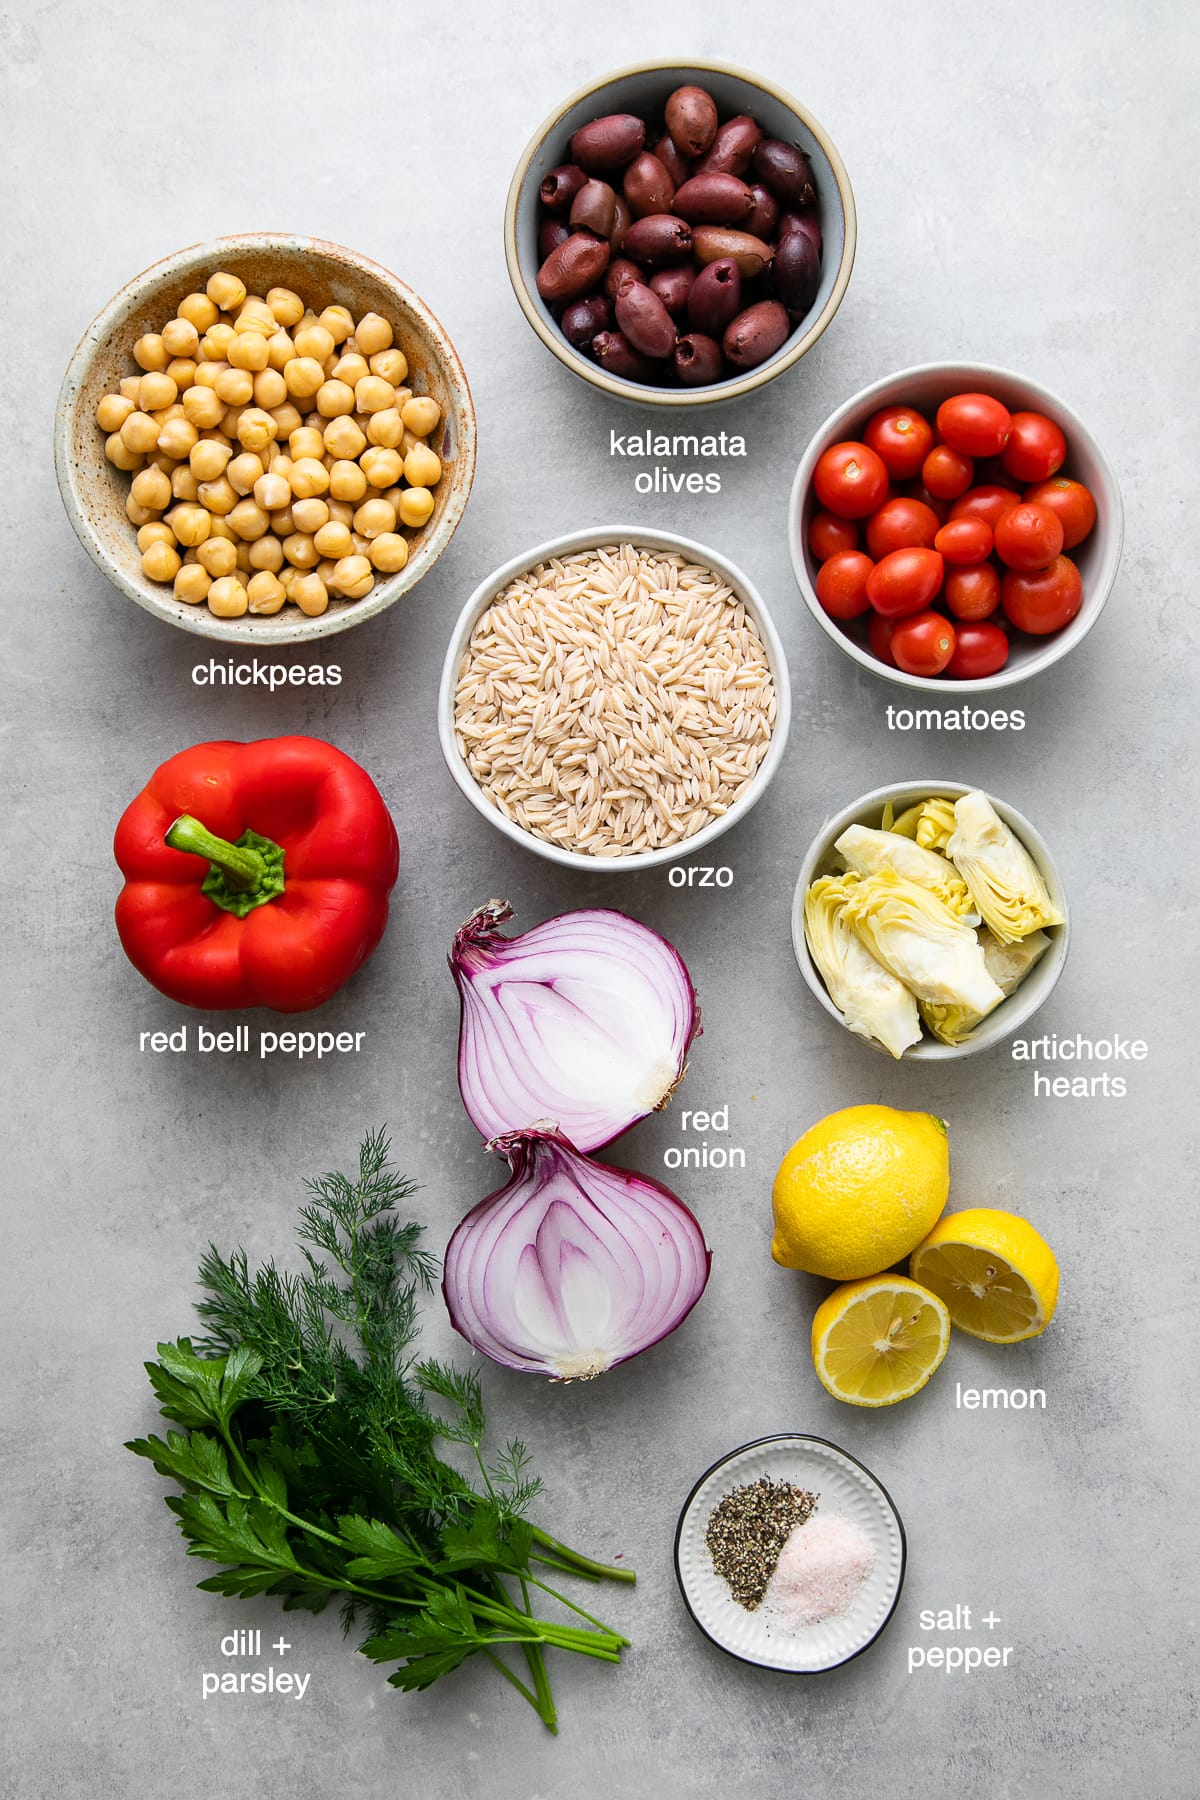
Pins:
<point x="972" y="592"/>
<point x="947" y="473"/>
<point x="850" y="480"/>
<point x="924" y="644"/>
<point x="904" y="581"/>
<point x="1044" y="600"/>
<point x="916" y="490"/>
<point x="901" y="438"/>
<point x="980" y="650"/>
<point x="879" y="636"/>
<point x="966" y="540"/>
<point x="1036" y="448"/>
<point x="1028" y="536"/>
<point x="841" y="584"/>
<point x="899" y="523"/>
<point x="985" y="503"/>
<point x="828" y="534"/>
<point x="975" y="424"/>
<point x="1071" y="502"/>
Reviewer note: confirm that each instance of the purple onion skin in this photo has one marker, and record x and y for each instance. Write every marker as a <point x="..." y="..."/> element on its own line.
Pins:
<point x="477" y="1294"/>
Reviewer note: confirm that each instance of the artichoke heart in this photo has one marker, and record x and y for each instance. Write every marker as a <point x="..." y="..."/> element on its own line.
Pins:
<point x="926" y="946"/>
<point x="874" y="1004"/>
<point x="1007" y="964"/>
<point x="869" y="851"/>
<point x="1003" y="878"/>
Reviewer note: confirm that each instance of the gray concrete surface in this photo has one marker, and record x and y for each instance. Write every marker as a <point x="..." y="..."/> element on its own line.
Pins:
<point x="1026" y="187"/>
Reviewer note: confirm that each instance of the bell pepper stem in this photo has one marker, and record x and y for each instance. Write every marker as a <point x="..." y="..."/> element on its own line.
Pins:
<point x="241" y="866"/>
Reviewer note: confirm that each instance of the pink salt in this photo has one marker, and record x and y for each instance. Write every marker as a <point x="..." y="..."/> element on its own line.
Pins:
<point x="820" y="1571"/>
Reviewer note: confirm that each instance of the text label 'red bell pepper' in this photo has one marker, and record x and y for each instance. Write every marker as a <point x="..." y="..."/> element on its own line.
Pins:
<point x="255" y="874"/>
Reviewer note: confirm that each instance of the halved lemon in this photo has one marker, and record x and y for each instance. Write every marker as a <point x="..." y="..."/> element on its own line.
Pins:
<point x="879" y="1340"/>
<point x="995" y="1273"/>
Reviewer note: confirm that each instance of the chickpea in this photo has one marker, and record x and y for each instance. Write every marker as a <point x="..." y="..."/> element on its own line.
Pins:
<point x="306" y="441"/>
<point x="214" y="345"/>
<point x="243" y="472"/>
<point x="288" y="577"/>
<point x="421" y="467"/>
<point x="353" y="577"/>
<point x="338" y="322"/>
<point x="192" y="584"/>
<point x="372" y="333"/>
<point x="373" y="394"/>
<point x="342" y="439"/>
<point x="300" y="551"/>
<point x="334" y="398"/>
<point x="256" y="429"/>
<point x="388" y="553"/>
<point x="264" y="593"/>
<point x="180" y="337"/>
<point x="235" y="386"/>
<point x="309" y="515"/>
<point x="113" y="411"/>
<point x="303" y="375"/>
<point x="199" y="311"/>
<point x="209" y="458"/>
<point x="182" y="370"/>
<point x="282" y="523"/>
<point x="267" y="553"/>
<point x="325" y="569"/>
<point x="139" y="433"/>
<point x="207" y="372"/>
<point x="244" y="565"/>
<point x="272" y="491"/>
<point x="386" y="428"/>
<point x="225" y="290"/>
<point x="286" y="307"/>
<point x="137" y="514"/>
<point x="287" y="419"/>
<point x="280" y="350"/>
<point x="347" y="481"/>
<point x="256" y="319"/>
<point x="310" y="594"/>
<point x="314" y="341"/>
<point x="184" y="485"/>
<point x="157" y="532"/>
<point x="374" y="517"/>
<point x="392" y="365"/>
<point x="150" y="352"/>
<point x="250" y="351"/>
<point x="230" y="419"/>
<point x="416" y="505"/>
<point x="342" y="511"/>
<point x="191" y="525"/>
<point x="227" y="598"/>
<point x="120" y="455"/>
<point x="270" y="389"/>
<point x="421" y="415"/>
<point x="217" y="556"/>
<point x="351" y="368"/>
<point x="308" y="477"/>
<point x="152" y="488"/>
<point x="128" y="386"/>
<point x="178" y="438"/>
<point x="382" y="468"/>
<point x="204" y="407"/>
<point x="249" y="520"/>
<point x="279" y="462"/>
<point x="333" y="539"/>
<point x="218" y="496"/>
<point x="161" y="562"/>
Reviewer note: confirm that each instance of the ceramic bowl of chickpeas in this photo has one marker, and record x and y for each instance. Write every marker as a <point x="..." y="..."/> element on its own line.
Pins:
<point x="265" y="437"/>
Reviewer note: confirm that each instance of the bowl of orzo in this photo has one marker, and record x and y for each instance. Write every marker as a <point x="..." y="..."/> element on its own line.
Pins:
<point x="615" y="698"/>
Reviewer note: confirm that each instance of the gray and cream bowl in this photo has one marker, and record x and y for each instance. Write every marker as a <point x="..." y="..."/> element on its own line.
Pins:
<point x="644" y="89"/>
<point x="94" y="492"/>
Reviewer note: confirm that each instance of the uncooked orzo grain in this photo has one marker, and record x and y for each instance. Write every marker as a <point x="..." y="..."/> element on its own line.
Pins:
<point x="615" y="701"/>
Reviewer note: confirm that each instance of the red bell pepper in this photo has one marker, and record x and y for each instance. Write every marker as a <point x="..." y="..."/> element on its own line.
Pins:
<point x="255" y="874"/>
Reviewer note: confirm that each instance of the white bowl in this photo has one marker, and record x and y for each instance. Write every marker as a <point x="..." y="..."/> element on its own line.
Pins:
<point x="925" y="387"/>
<point x="846" y="1489"/>
<point x="590" y="539"/>
<point x="822" y="859"/>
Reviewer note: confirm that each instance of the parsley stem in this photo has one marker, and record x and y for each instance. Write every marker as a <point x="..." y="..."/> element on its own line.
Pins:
<point x="520" y="1687"/>
<point x="599" y="1571"/>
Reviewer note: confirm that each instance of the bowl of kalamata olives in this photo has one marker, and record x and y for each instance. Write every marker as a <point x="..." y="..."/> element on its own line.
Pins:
<point x="679" y="235"/>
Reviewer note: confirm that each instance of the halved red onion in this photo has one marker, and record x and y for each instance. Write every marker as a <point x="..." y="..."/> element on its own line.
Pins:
<point x="573" y="1266"/>
<point x="585" y="1020"/>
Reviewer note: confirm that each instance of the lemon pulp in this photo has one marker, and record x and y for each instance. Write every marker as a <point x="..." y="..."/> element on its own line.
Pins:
<point x="878" y="1341"/>
<point x="996" y="1275"/>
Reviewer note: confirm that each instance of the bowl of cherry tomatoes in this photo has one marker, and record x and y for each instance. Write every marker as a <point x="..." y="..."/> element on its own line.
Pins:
<point x="955" y="526"/>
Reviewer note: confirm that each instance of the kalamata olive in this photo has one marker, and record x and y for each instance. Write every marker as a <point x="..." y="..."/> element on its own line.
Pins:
<point x="763" y="217"/>
<point x="658" y="238"/>
<point x="673" y="287"/>
<point x="731" y="149"/>
<point x="594" y="208"/>
<point x="621" y="224"/>
<point x="574" y="267"/>
<point x="692" y="119"/>
<point x="808" y="222"/>
<point x="672" y="159"/>
<point x="607" y="144"/>
<point x="644" y="320"/>
<point x="756" y="334"/>
<point x="785" y="170"/>
<point x="796" y="271"/>
<point x="750" y="254"/>
<point x="698" y="360"/>
<point x="551" y="233"/>
<point x="715" y="298"/>
<point x="615" y="353"/>
<point x="584" y="318"/>
<point x="560" y="187"/>
<point x="619" y="271"/>
<point x="714" y="199"/>
<point x="648" y="186"/>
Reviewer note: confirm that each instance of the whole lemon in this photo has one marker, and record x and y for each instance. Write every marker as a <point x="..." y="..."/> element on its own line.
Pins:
<point x="859" y="1191"/>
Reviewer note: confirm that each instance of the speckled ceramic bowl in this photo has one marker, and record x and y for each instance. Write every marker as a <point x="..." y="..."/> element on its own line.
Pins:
<point x="644" y="89"/>
<point x="822" y="859"/>
<point x="94" y="492"/>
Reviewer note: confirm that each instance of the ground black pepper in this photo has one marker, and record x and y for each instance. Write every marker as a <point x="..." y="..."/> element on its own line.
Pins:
<point x="748" y="1529"/>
